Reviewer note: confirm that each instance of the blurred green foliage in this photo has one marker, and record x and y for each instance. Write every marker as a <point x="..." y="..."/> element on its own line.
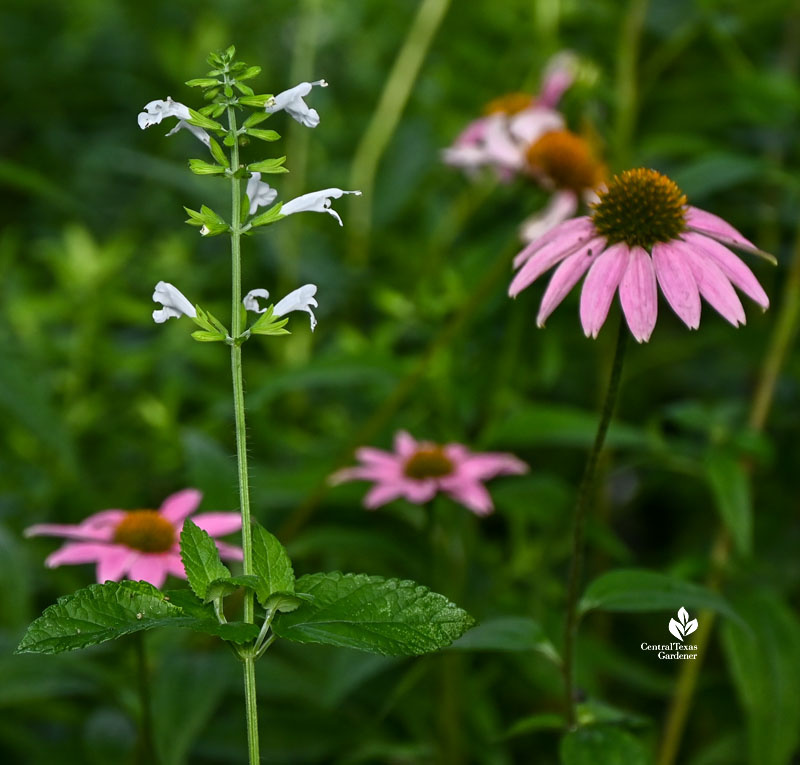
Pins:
<point x="103" y="409"/>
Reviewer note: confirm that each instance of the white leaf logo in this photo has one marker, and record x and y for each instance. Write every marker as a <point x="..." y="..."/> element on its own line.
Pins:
<point x="683" y="626"/>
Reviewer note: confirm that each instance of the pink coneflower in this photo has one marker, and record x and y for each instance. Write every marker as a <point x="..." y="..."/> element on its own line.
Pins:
<point x="418" y="470"/>
<point x="138" y="544"/>
<point x="513" y="122"/>
<point x="641" y="233"/>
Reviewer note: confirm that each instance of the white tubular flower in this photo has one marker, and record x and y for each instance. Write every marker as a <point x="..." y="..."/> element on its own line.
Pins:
<point x="302" y="299"/>
<point x="291" y="101"/>
<point x="259" y="193"/>
<point x="174" y="301"/>
<point x="156" y="111"/>
<point x="316" y="201"/>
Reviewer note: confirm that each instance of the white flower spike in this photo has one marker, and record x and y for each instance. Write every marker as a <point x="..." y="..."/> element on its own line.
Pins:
<point x="316" y="201"/>
<point x="302" y="299"/>
<point x="291" y="101"/>
<point x="156" y="111"/>
<point x="174" y="301"/>
<point x="259" y="193"/>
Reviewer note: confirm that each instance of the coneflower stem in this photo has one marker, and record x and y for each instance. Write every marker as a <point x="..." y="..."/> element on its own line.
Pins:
<point x="241" y="435"/>
<point x="585" y="494"/>
<point x="147" y="747"/>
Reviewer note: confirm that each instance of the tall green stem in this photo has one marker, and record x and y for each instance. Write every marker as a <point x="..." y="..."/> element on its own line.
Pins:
<point x="241" y="434"/>
<point x="585" y="491"/>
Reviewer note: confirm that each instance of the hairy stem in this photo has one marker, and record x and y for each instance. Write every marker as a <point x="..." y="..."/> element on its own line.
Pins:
<point x="241" y="434"/>
<point x="585" y="492"/>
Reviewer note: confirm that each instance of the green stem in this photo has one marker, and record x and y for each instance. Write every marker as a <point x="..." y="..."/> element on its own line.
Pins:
<point x="241" y="434"/>
<point x="585" y="491"/>
<point x="146" y="741"/>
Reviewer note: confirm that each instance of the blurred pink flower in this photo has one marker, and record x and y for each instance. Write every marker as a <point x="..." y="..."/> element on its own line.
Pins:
<point x="140" y="544"/>
<point x="418" y="470"/>
<point x="641" y="233"/>
<point x="500" y="138"/>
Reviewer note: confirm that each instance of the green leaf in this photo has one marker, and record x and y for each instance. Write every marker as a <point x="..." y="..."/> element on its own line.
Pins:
<point x="242" y="88"/>
<point x="256" y="118"/>
<point x="269" y="216"/>
<point x="274" y="165"/>
<point x="508" y="633"/>
<point x="271" y="564"/>
<point x="284" y="602"/>
<point x="204" y="336"/>
<point x="218" y="153"/>
<point x="199" y="167"/>
<point x="258" y="100"/>
<point x="643" y="590"/>
<point x="195" y="218"/>
<point x="392" y="617"/>
<point x="202" y="121"/>
<point x="249" y="73"/>
<point x="602" y="745"/>
<point x="200" y="559"/>
<point x="764" y="661"/>
<point x="202" y="82"/>
<point x="730" y="486"/>
<point x="264" y="135"/>
<point x="221" y="588"/>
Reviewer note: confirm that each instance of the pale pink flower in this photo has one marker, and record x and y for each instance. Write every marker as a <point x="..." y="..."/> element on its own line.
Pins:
<point x="511" y="123"/>
<point x="419" y="470"/>
<point x="641" y="235"/>
<point x="138" y="544"/>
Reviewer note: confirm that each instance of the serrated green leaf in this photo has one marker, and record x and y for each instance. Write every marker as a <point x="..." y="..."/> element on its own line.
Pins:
<point x="259" y="100"/>
<point x="218" y="153"/>
<point x="202" y="82"/>
<point x="199" y="167"/>
<point x="604" y="744"/>
<point x="268" y="166"/>
<point x="730" y="486"/>
<point x="285" y="602"/>
<point x="392" y="617"/>
<point x="271" y="564"/>
<point x="96" y="614"/>
<point x="202" y="121"/>
<point x="200" y="559"/>
<point x="256" y="118"/>
<point x="643" y="590"/>
<point x="269" y="216"/>
<point x="508" y="633"/>
<point x="264" y="135"/>
<point x="233" y="632"/>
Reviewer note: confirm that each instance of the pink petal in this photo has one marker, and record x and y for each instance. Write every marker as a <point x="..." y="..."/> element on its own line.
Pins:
<point x="381" y="494"/>
<point x="219" y="524"/>
<point x="178" y="506"/>
<point x="600" y="285"/>
<point x="638" y="295"/>
<point x="562" y="205"/>
<point x="77" y="552"/>
<point x="532" y="123"/>
<point x="558" y="76"/>
<point x="472" y="134"/>
<point x="715" y="226"/>
<point x="229" y="552"/>
<point x="114" y="563"/>
<point x="375" y="456"/>
<point x="499" y="146"/>
<point x="474" y="496"/>
<point x="98" y="527"/>
<point x="174" y="565"/>
<point x="419" y="492"/>
<point x="713" y="285"/>
<point x="482" y="467"/>
<point x="731" y="265"/>
<point x="583" y="225"/>
<point x="566" y="276"/>
<point x="404" y="444"/>
<point x="550" y="255"/>
<point x="677" y="283"/>
<point x="149" y="567"/>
